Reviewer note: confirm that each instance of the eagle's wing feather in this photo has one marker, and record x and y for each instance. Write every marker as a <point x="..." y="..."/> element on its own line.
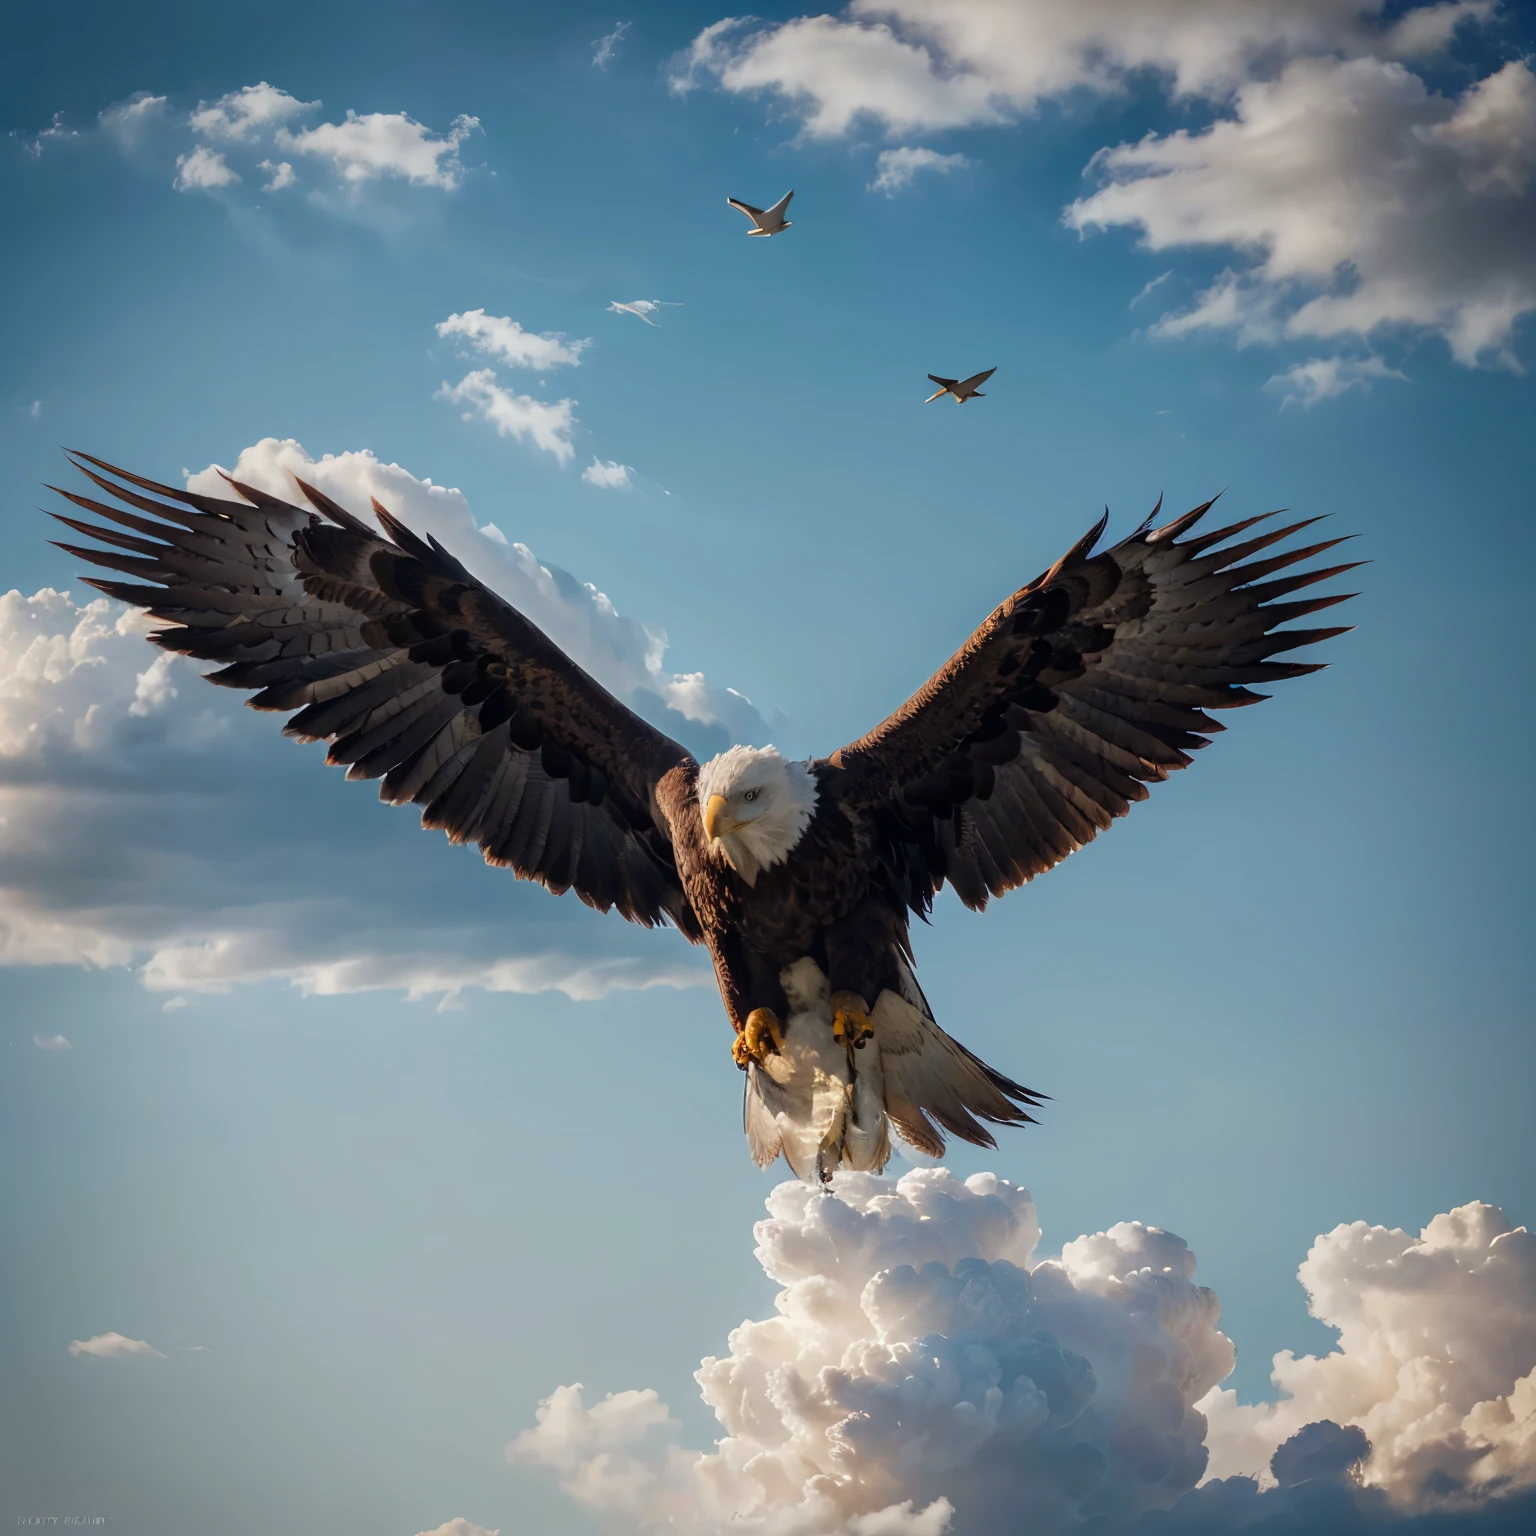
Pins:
<point x="412" y="670"/>
<point x="1081" y="689"/>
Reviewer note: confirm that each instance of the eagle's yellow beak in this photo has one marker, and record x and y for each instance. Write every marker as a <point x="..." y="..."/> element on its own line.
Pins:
<point x="714" y="812"/>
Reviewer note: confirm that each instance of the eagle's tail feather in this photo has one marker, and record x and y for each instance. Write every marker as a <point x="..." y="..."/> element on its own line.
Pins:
<point x="825" y="1107"/>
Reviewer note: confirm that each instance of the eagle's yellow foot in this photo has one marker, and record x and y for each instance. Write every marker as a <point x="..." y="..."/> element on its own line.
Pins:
<point x="851" y="1023"/>
<point x="760" y="1035"/>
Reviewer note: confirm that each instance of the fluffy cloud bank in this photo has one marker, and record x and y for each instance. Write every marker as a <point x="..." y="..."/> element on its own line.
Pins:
<point x="1355" y="199"/>
<point x="147" y="820"/>
<point x="927" y="1372"/>
<point x="1436" y="1359"/>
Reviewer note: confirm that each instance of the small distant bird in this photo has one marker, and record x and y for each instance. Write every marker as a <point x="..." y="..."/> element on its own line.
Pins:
<point x="643" y="308"/>
<point x="961" y="389"/>
<point x="770" y="221"/>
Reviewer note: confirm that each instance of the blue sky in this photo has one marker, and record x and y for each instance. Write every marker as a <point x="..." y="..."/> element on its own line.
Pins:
<point x="406" y="1146"/>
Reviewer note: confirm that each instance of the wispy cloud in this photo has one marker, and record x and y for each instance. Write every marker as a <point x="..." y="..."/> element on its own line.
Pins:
<point x="57" y="132"/>
<point x="127" y="120"/>
<point x="113" y="1346"/>
<point x="605" y="49"/>
<point x="51" y="1043"/>
<point x="1150" y="287"/>
<point x="1326" y="378"/>
<point x="546" y="424"/>
<point x="608" y="475"/>
<point x="502" y="338"/>
<point x="897" y="169"/>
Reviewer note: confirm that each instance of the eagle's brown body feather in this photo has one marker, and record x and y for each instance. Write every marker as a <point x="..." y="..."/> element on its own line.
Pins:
<point x="1079" y="690"/>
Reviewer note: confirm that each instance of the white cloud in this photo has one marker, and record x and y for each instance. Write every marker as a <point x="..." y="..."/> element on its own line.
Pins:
<point x="897" y="168"/>
<point x="281" y="173"/>
<point x="147" y="820"/>
<point x="910" y="65"/>
<point x="1367" y="201"/>
<point x="51" y="1043"/>
<point x="642" y="309"/>
<point x="608" y="475"/>
<point x="547" y="425"/>
<point x="202" y="169"/>
<point x="35" y="409"/>
<point x="247" y="114"/>
<point x="921" y="1363"/>
<point x="834" y="73"/>
<point x="925" y="1370"/>
<point x="385" y="144"/>
<point x="113" y="1346"/>
<point x="55" y="133"/>
<point x="503" y="338"/>
<point x="127" y="120"/>
<point x="605" y="49"/>
<point x="1325" y="378"/>
<point x="1436" y="1358"/>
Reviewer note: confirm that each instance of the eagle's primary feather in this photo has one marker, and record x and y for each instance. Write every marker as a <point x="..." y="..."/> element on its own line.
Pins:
<point x="1085" y="686"/>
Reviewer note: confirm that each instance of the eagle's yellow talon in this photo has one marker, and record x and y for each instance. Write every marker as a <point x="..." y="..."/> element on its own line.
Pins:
<point x="851" y="1023"/>
<point x="760" y="1035"/>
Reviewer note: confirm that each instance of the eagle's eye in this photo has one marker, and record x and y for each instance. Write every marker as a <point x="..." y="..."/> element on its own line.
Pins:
<point x="751" y="795"/>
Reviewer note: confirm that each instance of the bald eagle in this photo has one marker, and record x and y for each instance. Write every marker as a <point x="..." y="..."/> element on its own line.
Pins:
<point x="800" y="878"/>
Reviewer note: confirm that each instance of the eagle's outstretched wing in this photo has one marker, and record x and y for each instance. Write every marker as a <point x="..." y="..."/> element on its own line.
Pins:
<point x="412" y="670"/>
<point x="1081" y="689"/>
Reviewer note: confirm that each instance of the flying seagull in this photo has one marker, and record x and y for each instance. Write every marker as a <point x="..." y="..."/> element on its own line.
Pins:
<point x="765" y="221"/>
<point x="643" y="308"/>
<point x="800" y="878"/>
<point x="961" y="389"/>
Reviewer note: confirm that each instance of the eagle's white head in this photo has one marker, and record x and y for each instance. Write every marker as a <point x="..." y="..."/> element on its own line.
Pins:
<point x="756" y="805"/>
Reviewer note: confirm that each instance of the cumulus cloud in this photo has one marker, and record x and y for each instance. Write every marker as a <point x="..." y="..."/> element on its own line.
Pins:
<point x="113" y="1346"/>
<point x="605" y="49"/>
<point x="896" y="169"/>
<point x="281" y="175"/>
<point x="146" y="820"/>
<point x="1368" y="200"/>
<point x="247" y="114"/>
<point x="546" y="424"/>
<point x="371" y="145"/>
<point x="927" y="1371"/>
<point x="1324" y="378"/>
<point x="51" y="1043"/>
<point x="608" y="475"/>
<point x="503" y="338"/>
<point x="459" y="1527"/>
<point x="1357" y="198"/>
<point x="203" y="169"/>
<point x="1435" y="1363"/>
